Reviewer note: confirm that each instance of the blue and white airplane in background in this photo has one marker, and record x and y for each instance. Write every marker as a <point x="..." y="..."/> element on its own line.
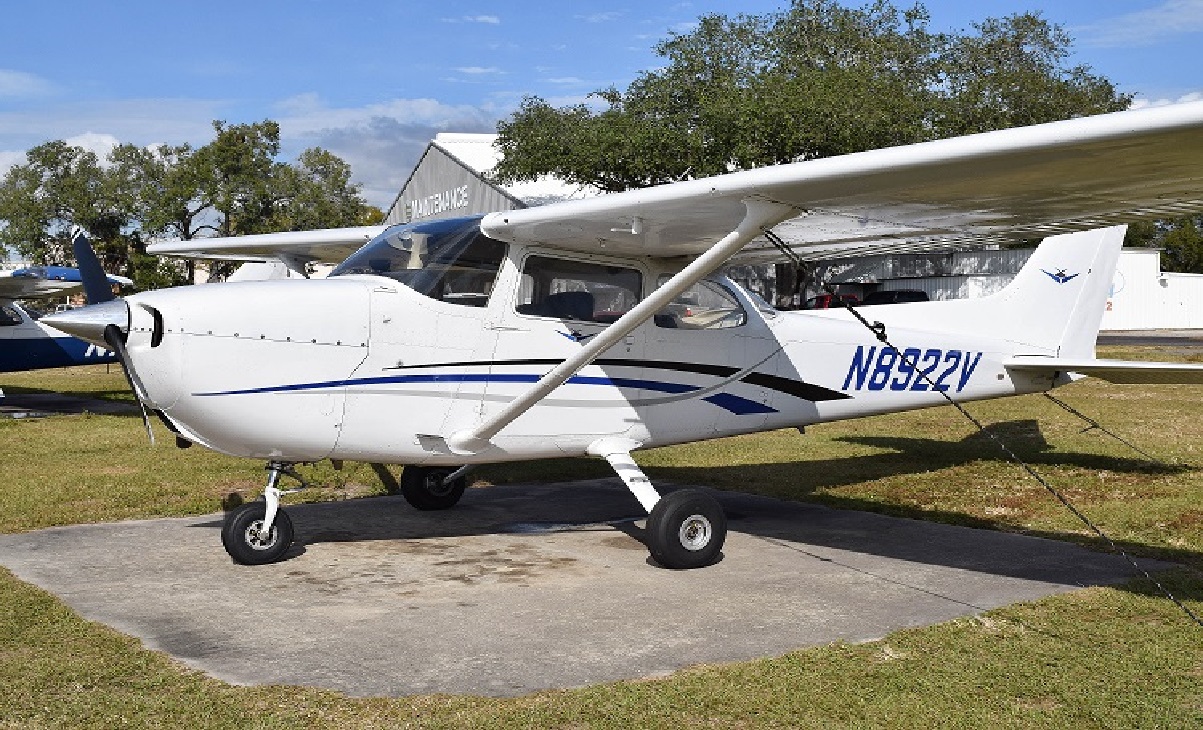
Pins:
<point x="28" y="344"/>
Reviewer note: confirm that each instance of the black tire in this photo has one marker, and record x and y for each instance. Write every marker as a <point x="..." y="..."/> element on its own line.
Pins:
<point x="686" y="529"/>
<point x="424" y="487"/>
<point x="239" y="535"/>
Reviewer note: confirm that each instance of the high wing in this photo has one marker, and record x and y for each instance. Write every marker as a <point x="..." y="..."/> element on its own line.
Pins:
<point x="1024" y="183"/>
<point x="328" y="245"/>
<point x="1013" y="184"/>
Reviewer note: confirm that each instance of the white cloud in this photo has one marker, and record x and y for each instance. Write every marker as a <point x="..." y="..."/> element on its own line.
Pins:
<point x="478" y="70"/>
<point x="485" y="19"/>
<point x="141" y="121"/>
<point x="1141" y="102"/>
<point x="599" y="17"/>
<point x="9" y="159"/>
<point x="99" y="144"/>
<point x="1143" y="27"/>
<point x="20" y="84"/>
<point x="382" y="142"/>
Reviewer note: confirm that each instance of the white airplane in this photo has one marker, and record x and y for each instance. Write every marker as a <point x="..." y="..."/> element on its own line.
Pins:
<point x="26" y="343"/>
<point x="597" y="327"/>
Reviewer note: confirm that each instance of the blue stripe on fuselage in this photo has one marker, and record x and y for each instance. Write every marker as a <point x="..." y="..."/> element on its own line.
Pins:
<point x="734" y="404"/>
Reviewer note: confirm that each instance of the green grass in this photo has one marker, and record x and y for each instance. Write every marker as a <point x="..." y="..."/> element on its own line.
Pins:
<point x="1116" y="657"/>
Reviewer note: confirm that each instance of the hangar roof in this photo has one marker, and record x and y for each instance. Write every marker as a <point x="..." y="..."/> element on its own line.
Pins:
<point x="477" y="152"/>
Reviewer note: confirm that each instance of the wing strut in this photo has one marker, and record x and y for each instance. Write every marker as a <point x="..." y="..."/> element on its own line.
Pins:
<point x="760" y="214"/>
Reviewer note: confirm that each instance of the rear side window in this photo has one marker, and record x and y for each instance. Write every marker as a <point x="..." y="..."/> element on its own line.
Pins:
<point x="578" y="290"/>
<point x="706" y="305"/>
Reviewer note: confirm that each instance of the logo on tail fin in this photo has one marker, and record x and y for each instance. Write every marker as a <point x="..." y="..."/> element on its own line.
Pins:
<point x="1060" y="277"/>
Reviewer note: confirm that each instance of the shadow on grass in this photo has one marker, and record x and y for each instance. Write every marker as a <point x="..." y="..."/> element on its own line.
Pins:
<point x="112" y="402"/>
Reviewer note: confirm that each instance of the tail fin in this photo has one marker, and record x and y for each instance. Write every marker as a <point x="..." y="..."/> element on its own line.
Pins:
<point x="1057" y="299"/>
<point x="96" y="283"/>
<point x="1053" y="306"/>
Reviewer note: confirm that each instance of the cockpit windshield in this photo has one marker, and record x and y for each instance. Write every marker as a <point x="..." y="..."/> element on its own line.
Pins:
<point x="449" y="260"/>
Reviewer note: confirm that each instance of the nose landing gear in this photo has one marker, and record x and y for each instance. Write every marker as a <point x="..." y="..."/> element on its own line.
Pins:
<point x="260" y="532"/>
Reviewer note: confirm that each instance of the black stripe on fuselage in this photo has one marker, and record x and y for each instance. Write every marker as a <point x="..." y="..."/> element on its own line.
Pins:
<point x="789" y="386"/>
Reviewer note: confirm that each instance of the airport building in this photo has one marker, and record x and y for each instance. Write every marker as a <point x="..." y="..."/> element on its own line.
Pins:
<point x="452" y="179"/>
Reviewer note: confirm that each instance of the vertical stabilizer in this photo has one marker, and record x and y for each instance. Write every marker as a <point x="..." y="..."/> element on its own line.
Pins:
<point x="1053" y="306"/>
<point x="97" y="288"/>
<point x="1058" y="297"/>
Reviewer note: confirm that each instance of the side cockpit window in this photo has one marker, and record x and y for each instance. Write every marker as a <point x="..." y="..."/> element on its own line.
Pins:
<point x="704" y="306"/>
<point x="577" y="290"/>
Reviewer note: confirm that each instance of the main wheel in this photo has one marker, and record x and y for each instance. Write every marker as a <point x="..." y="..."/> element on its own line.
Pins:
<point x="241" y="534"/>
<point x="426" y="487"/>
<point x="686" y="529"/>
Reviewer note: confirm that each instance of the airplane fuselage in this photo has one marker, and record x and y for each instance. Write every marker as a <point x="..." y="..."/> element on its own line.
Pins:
<point x="363" y="367"/>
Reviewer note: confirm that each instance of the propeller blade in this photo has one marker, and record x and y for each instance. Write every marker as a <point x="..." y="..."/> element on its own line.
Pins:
<point x="115" y="339"/>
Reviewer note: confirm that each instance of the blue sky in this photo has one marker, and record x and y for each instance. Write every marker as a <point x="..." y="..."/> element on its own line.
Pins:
<point x="373" y="80"/>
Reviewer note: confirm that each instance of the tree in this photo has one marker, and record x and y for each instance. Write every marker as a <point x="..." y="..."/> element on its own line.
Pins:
<point x="231" y="186"/>
<point x="815" y="80"/>
<point x="236" y="175"/>
<point x="316" y="192"/>
<point x="1180" y="241"/>
<point x="59" y="187"/>
<point x="1011" y="73"/>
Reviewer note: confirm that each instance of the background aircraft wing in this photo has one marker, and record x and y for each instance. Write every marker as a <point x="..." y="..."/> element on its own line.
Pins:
<point x="328" y="245"/>
<point x="36" y="282"/>
<point x="1013" y="184"/>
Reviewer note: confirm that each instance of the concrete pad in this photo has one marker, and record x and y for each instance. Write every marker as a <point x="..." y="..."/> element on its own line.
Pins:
<point x="522" y="588"/>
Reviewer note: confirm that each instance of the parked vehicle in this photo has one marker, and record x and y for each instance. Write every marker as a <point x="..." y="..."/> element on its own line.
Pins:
<point x="827" y="301"/>
<point x="894" y="296"/>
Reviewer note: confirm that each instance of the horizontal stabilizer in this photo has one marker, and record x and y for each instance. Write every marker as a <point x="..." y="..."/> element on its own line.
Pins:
<point x="1113" y="371"/>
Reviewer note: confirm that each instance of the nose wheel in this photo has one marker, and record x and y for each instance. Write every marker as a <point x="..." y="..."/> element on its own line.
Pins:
<point x="260" y="532"/>
<point x="249" y="541"/>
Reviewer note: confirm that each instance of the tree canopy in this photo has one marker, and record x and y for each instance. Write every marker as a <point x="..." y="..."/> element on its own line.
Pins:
<point x="232" y="185"/>
<point x="815" y="80"/>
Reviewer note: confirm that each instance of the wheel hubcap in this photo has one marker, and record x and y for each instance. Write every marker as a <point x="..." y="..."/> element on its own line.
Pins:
<point x="695" y="532"/>
<point x="256" y="539"/>
<point x="436" y="486"/>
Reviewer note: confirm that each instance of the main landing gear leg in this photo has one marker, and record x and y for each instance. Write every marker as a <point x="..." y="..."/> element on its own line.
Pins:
<point x="685" y="529"/>
<point x="260" y="532"/>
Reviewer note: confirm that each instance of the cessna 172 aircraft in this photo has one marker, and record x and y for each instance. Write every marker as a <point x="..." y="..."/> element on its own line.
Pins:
<point x="598" y="327"/>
